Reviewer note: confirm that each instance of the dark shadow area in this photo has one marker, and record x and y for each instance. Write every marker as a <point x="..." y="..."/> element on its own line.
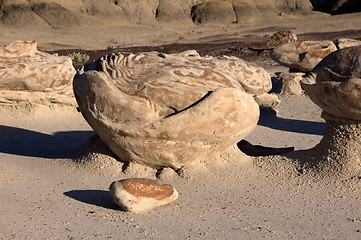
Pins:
<point x="270" y="120"/>
<point x="258" y="150"/>
<point x="98" y="198"/>
<point x="25" y="142"/>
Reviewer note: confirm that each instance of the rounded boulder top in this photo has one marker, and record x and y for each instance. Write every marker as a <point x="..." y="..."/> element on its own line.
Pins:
<point x="335" y="83"/>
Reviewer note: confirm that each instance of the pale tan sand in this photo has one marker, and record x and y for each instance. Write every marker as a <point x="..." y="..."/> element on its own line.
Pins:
<point x="47" y="195"/>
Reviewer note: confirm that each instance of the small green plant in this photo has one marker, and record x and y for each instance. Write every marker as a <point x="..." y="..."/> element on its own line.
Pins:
<point x="109" y="48"/>
<point x="79" y="57"/>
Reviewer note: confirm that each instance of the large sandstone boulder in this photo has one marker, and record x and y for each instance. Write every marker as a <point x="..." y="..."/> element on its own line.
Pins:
<point x="302" y="56"/>
<point x="335" y="83"/>
<point x="169" y="110"/>
<point x="29" y="75"/>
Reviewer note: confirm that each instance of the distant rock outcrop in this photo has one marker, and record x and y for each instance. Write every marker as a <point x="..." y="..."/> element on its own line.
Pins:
<point x="170" y="109"/>
<point x="28" y="75"/>
<point x="64" y="13"/>
<point x="245" y="11"/>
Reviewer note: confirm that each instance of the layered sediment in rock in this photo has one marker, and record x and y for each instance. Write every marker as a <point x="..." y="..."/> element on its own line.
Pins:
<point x="31" y="76"/>
<point x="169" y="110"/>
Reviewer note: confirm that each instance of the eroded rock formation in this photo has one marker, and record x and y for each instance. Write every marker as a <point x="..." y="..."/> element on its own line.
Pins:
<point x="281" y="37"/>
<point x="169" y="110"/>
<point x="347" y="42"/>
<point x="65" y="13"/>
<point x="335" y="86"/>
<point x="302" y="56"/>
<point x="29" y="75"/>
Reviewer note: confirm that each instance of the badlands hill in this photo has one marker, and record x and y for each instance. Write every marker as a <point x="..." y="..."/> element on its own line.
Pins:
<point x="69" y="13"/>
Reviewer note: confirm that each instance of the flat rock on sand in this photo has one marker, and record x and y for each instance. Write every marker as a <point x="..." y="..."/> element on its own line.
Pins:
<point x="141" y="194"/>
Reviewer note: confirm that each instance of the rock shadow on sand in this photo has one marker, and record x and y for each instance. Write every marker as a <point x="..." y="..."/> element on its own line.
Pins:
<point x="98" y="198"/>
<point x="271" y="120"/>
<point x="19" y="141"/>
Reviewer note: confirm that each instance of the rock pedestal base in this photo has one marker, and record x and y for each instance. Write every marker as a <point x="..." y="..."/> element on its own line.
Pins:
<point x="339" y="152"/>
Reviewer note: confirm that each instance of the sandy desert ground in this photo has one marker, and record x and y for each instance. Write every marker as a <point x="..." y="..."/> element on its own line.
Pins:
<point x="53" y="188"/>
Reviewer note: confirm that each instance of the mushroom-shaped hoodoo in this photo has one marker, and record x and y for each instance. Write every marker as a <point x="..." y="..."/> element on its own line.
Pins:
<point x="29" y="75"/>
<point x="169" y="109"/>
<point x="335" y="86"/>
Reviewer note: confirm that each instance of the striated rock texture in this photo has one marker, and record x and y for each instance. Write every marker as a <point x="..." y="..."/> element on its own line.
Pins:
<point x="141" y="194"/>
<point x="169" y="110"/>
<point x="335" y="86"/>
<point x="281" y="37"/>
<point x="302" y="56"/>
<point x="28" y="75"/>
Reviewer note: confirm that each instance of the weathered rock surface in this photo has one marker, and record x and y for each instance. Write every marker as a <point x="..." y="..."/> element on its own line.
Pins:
<point x="289" y="83"/>
<point x="335" y="83"/>
<point x="65" y="13"/>
<point x="267" y="100"/>
<point x="281" y="37"/>
<point x="141" y="194"/>
<point x="347" y="42"/>
<point x="169" y="110"/>
<point x="335" y="86"/>
<point x="303" y="56"/>
<point x="28" y="75"/>
<point x="214" y="11"/>
<point x="246" y="11"/>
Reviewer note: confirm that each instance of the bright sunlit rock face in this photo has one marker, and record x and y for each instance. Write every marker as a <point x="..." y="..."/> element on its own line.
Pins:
<point x="302" y="56"/>
<point x="29" y="75"/>
<point x="169" y="110"/>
